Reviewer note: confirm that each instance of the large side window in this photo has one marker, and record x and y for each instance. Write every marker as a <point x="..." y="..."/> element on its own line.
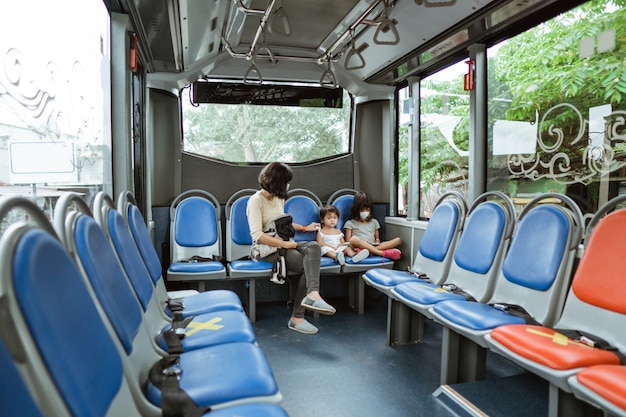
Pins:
<point x="556" y="108"/>
<point x="443" y="139"/>
<point x="444" y="135"/>
<point x="54" y="98"/>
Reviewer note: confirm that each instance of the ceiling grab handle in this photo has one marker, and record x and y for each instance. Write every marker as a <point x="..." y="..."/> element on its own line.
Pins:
<point x="328" y="79"/>
<point x="354" y="59"/>
<point x="264" y="47"/>
<point x="252" y="71"/>
<point x="268" y="53"/>
<point x="386" y="25"/>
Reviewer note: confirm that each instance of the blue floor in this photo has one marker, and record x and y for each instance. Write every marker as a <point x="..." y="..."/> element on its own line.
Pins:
<point x="348" y="371"/>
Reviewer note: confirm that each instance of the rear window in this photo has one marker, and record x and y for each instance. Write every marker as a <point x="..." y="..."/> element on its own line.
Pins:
<point x="266" y="132"/>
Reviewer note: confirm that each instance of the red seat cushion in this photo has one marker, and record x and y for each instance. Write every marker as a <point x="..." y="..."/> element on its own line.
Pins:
<point x="549" y="348"/>
<point x="598" y="279"/>
<point x="608" y="381"/>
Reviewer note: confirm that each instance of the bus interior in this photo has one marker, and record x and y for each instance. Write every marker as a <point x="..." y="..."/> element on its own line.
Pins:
<point x="506" y="116"/>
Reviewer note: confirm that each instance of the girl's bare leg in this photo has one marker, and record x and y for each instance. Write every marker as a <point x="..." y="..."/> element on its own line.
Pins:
<point x="363" y="244"/>
<point x="331" y="254"/>
<point x="390" y="244"/>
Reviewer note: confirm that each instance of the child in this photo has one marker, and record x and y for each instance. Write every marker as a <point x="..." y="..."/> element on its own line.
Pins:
<point x="331" y="240"/>
<point x="362" y="230"/>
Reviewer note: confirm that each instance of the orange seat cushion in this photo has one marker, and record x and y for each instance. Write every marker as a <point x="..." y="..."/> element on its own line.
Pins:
<point x="549" y="348"/>
<point x="608" y="381"/>
<point x="598" y="279"/>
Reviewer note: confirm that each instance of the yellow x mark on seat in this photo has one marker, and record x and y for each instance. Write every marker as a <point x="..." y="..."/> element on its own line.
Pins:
<point x="558" y="338"/>
<point x="196" y="326"/>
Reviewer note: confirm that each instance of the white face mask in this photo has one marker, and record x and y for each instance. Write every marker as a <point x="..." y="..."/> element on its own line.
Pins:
<point x="365" y="214"/>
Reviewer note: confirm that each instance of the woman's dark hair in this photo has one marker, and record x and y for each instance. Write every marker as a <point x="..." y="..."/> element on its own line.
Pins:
<point x="274" y="179"/>
<point x="328" y="209"/>
<point x="361" y="201"/>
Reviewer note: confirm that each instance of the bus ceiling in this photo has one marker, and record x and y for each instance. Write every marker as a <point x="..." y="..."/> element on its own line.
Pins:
<point x="357" y="44"/>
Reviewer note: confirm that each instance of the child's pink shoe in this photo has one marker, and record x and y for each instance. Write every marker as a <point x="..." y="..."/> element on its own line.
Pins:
<point x="392" y="254"/>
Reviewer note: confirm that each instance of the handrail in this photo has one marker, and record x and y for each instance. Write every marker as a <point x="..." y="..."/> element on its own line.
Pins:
<point x="61" y="209"/>
<point x="328" y="53"/>
<point x="328" y="78"/>
<point x="340" y="192"/>
<point x="101" y="201"/>
<point x="603" y="211"/>
<point x="8" y="203"/>
<point x="124" y="199"/>
<point x="456" y="195"/>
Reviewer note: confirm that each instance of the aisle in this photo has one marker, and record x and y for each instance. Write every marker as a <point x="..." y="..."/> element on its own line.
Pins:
<point x="347" y="370"/>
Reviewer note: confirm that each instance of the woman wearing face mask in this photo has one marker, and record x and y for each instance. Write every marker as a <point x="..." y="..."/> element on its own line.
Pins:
<point x="302" y="258"/>
<point x="362" y="230"/>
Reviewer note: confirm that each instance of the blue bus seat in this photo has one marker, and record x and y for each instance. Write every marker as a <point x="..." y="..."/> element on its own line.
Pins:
<point x="218" y="375"/>
<point x="436" y="248"/>
<point x="76" y="364"/>
<point x="603" y="386"/>
<point x="249" y="410"/>
<point x="535" y="275"/>
<point x="226" y="326"/>
<point x="594" y="310"/>
<point x="342" y="199"/>
<point x="477" y="260"/>
<point x="195" y="231"/>
<point x="238" y="244"/>
<point x="304" y="207"/>
<point x="193" y="303"/>
<point x="67" y="357"/>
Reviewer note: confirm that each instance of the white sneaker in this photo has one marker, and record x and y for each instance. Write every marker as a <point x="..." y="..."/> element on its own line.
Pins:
<point x="340" y="258"/>
<point x="363" y="253"/>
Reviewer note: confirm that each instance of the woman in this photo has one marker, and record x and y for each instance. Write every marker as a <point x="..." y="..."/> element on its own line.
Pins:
<point x="301" y="257"/>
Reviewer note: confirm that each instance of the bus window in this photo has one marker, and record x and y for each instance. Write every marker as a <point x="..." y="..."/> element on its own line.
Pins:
<point x="54" y="99"/>
<point x="444" y="135"/>
<point x="556" y="116"/>
<point x="265" y="133"/>
<point x="405" y="113"/>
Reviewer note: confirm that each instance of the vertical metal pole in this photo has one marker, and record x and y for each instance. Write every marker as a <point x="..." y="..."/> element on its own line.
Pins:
<point x="478" y="125"/>
<point x="413" y="194"/>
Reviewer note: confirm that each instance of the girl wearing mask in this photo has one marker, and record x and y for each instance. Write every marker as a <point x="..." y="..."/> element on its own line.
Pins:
<point x="362" y="230"/>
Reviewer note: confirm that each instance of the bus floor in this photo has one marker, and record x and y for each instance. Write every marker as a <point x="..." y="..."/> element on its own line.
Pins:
<point x="346" y="370"/>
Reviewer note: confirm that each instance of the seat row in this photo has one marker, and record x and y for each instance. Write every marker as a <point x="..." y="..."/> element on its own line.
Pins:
<point x="196" y="245"/>
<point x="87" y="330"/>
<point x="510" y="285"/>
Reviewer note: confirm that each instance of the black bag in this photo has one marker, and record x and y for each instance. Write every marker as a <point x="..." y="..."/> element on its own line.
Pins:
<point x="284" y="226"/>
<point x="280" y="226"/>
